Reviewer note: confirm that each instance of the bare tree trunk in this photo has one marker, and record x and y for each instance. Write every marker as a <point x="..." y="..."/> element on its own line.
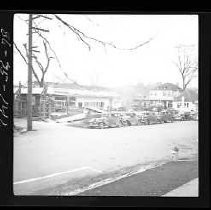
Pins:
<point x="42" y="81"/>
<point x="183" y="83"/>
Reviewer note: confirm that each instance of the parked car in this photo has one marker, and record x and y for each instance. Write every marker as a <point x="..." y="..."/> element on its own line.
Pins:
<point x="113" y="121"/>
<point x="131" y="119"/>
<point x="165" y="117"/>
<point x="187" y="116"/>
<point x="106" y="121"/>
<point x="97" y="123"/>
<point x="194" y="116"/>
<point x="178" y="117"/>
<point x="150" y="118"/>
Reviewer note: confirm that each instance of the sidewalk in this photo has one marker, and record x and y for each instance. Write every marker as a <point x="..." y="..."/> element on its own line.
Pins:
<point x="189" y="189"/>
<point x="157" y="181"/>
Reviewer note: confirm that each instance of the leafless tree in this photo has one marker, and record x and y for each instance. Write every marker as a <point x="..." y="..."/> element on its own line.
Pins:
<point x="84" y="38"/>
<point x="187" y="67"/>
<point x="42" y="68"/>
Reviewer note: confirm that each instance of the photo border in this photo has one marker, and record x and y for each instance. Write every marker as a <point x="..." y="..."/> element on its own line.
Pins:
<point x="7" y="197"/>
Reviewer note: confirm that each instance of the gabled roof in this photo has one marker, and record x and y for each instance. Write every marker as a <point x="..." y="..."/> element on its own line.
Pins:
<point x="167" y="86"/>
<point x="189" y="96"/>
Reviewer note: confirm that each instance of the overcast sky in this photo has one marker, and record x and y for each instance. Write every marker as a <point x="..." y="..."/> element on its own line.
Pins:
<point x="110" y="67"/>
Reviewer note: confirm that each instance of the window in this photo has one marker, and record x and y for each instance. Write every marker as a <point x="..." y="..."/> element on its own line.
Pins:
<point x="60" y="105"/>
<point x="169" y="105"/>
<point x="94" y="104"/>
<point x="101" y="104"/>
<point x="71" y="101"/>
<point x="80" y="104"/>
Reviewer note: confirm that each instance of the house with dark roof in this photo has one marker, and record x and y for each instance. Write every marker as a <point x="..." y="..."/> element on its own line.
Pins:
<point x="187" y="101"/>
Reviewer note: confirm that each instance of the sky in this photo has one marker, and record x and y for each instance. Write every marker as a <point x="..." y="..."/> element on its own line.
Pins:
<point x="106" y="66"/>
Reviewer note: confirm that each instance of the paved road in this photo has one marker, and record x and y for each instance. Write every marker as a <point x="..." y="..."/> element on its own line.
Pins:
<point x="153" y="182"/>
<point x="55" y="154"/>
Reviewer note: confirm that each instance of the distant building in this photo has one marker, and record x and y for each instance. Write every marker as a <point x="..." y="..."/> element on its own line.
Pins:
<point x="140" y="102"/>
<point x="163" y="95"/>
<point x="187" y="101"/>
<point x="66" y="99"/>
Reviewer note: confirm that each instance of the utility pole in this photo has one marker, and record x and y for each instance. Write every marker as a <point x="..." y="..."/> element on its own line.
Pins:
<point x="29" y="95"/>
<point x="30" y="50"/>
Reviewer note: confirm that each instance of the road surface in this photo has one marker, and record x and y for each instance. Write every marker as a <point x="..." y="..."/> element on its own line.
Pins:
<point x="55" y="154"/>
<point x="153" y="182"/>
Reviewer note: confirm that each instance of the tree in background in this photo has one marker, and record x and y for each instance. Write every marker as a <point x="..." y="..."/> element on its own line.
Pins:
<point x="187" y="65"/>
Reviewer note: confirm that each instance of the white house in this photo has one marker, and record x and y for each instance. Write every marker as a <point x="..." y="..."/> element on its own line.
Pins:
<point x="164" y="94"/>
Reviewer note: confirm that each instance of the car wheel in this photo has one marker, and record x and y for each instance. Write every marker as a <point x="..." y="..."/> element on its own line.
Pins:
<point x="101" y="125"/>
<point x="128" y="123"/>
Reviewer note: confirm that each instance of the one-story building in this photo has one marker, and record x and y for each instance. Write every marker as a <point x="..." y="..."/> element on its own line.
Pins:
<point x="20" y="101"/>
<point x="69" y="100"/>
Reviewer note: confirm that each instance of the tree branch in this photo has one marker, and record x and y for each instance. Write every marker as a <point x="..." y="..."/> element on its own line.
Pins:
<point x="80" y="34"/>
<point x="20" y="53"/>
<point x="35" y="57"/>
<point x="25" y="60"/>
<point x="187" y="83"/>
<point x="47" y="56"/>
<point x="74" y="30"/>
<point x="39" y="64"/>
<point x="49" y="45"/>
<point x="55" y="55"/>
